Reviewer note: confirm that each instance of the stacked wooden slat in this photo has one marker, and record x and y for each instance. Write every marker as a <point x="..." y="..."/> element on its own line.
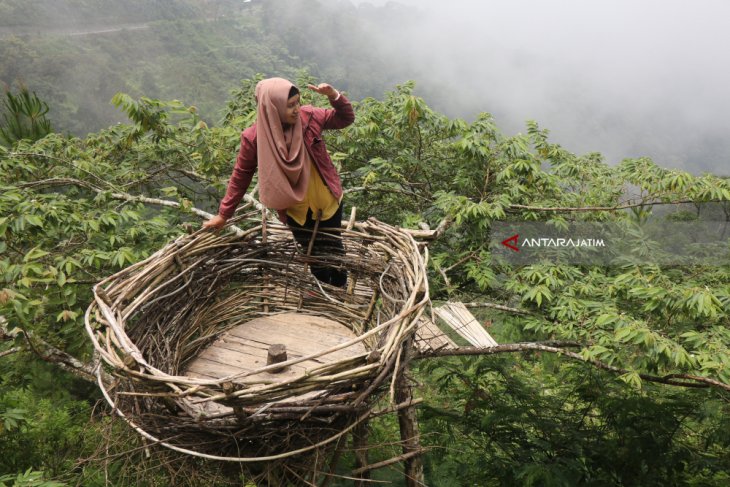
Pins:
<point x="429" y="338"/>
<point x="459" y="319"/>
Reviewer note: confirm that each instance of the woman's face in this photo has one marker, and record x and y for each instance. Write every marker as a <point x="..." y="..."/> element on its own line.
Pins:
<point x="292" y="110"/>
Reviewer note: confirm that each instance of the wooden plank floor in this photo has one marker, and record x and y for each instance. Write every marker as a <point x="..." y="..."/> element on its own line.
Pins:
<point x="245" y="347"/>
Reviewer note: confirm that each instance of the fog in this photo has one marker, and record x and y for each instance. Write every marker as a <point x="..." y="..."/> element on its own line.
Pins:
<point x="624" y="78"/>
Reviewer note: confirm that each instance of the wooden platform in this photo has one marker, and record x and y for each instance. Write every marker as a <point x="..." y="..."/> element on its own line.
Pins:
<point x="245" y="348"/>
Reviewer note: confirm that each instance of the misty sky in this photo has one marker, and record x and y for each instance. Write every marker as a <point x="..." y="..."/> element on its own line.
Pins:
<point x="624" y="78"/>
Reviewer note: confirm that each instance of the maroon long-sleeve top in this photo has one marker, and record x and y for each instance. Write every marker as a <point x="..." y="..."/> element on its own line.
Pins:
<point x="314" y="121"/>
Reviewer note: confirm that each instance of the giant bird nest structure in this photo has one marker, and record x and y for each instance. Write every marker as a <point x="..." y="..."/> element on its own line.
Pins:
<point x="151" y="321"/>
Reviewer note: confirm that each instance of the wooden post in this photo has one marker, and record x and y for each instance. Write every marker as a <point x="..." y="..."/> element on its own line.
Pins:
<point x="328" y="477"/>
<point x="353" y="275"/>
<point x="277" y="354"/>
<point x="409" y="433"/>
<point x="229" y="388"/>
<point x="265" y="286"/>
<point x="360" y="447"/>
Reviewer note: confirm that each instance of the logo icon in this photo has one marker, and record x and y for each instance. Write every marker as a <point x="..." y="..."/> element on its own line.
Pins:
<point x="513" y="245"/>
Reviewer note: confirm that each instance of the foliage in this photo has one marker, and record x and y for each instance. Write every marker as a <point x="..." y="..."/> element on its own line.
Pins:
<point x="73" y="211"/>
<point x="190" y="58"/>
<point x="405" y="163"/>
<point x="51" y="13"/>
<point x="29" y="478"/>
<point x="511" y="421"/>
<point x="188" y="50"/>
<point x="24" y="117"/>
<point x="40" y="434"/>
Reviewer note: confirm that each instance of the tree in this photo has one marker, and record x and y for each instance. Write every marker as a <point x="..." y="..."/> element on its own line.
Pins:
<point x="24" y="117"/>
<point x="644" y="323"/>
<point x="596" y="347"/>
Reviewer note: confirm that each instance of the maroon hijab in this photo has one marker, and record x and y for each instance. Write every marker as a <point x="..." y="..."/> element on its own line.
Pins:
<point x="283" y="160"/>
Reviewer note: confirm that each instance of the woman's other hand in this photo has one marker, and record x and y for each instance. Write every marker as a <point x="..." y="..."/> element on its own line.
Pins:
<point x="215" y="223"/>
<point x="325" y="89"/>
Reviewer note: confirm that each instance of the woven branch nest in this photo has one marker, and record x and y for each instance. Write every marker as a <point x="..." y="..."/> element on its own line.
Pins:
<point x="149" y="321"/>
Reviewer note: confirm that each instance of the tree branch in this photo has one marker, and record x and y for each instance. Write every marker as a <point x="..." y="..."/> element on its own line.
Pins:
<point x="9" y="351"/>
<point x="383" y="190"/>
<point x="193" y="175"/>
<point x="49" y="353"/>
<point x="469" y="256"/>
<point x="148" y="176"/>
<point x="447" y="281"/>
<point x="681" y="380"/>
<point x="607" y="208"/>
<point x="60" y="182"/>
<point x="132" y="198"/>
<point x="385" y="463"/>
<point x="499" y="307"/>
<point x="65" y="161"/>
<point x="431" y="234"/>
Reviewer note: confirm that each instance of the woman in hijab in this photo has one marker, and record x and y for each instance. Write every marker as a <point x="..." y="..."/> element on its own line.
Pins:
<point x="296" y="174"/>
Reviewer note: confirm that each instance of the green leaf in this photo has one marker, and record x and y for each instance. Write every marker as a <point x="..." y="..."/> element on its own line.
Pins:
<point x="625" y="334"/>
<point x="66" y="315"/>
<point x="632" y="378"/>
<point x="606" y="318"/>
<point x="34" y="220"/>
<point x="34" y="253"/>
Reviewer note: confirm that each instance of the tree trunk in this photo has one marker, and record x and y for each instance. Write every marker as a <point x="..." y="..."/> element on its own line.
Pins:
<point x="360" y="447"/>
<point x="409" y="433"/>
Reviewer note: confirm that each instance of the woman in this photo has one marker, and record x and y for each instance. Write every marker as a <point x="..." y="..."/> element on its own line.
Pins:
<point x="296" y="174"/>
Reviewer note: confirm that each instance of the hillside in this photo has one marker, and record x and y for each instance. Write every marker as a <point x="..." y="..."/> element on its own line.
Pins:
<point x="80" y="13"/>
<point x="193" y="51"/>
